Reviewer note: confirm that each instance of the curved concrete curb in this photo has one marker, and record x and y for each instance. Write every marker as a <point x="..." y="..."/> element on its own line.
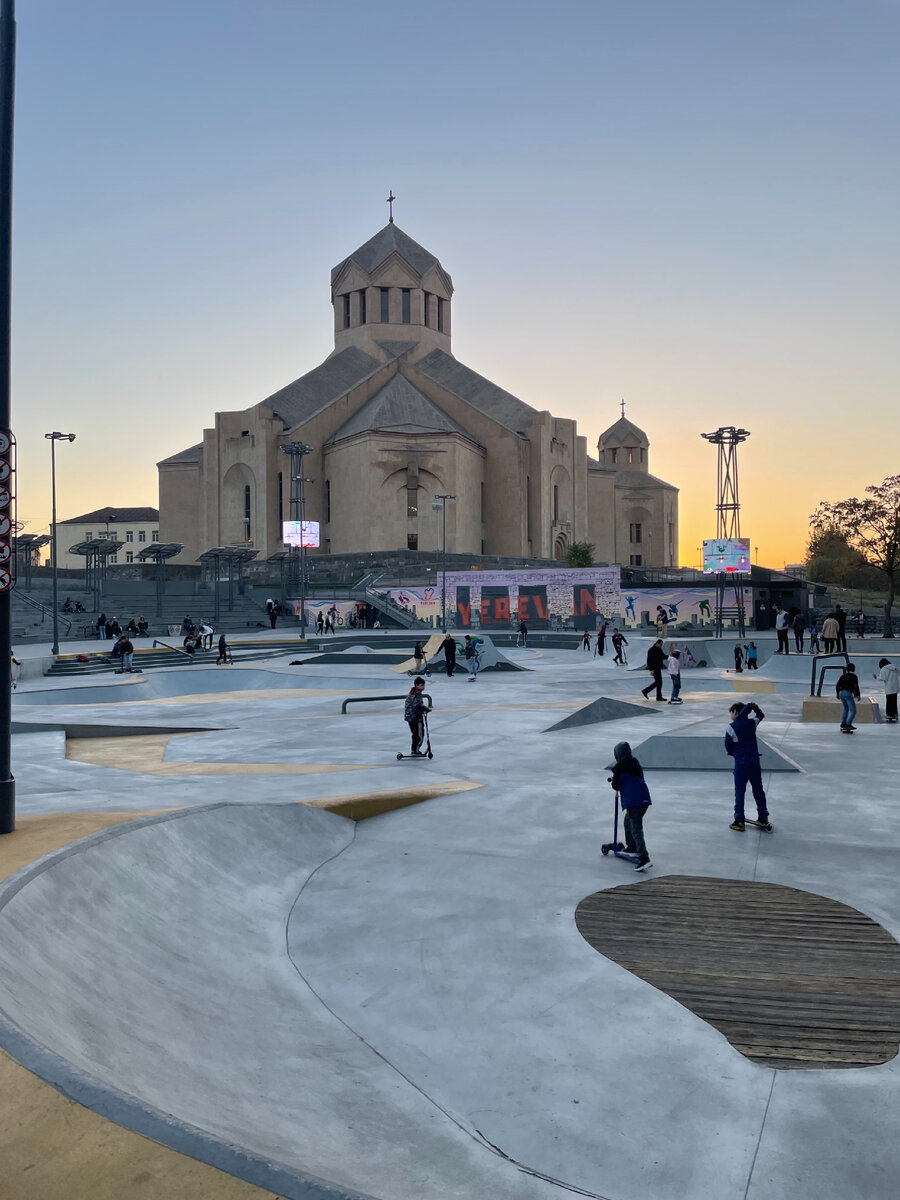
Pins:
<point x="128" y="1111"/>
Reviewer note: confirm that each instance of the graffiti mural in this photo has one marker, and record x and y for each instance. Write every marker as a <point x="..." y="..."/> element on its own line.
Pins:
<point x="537" y="597"/>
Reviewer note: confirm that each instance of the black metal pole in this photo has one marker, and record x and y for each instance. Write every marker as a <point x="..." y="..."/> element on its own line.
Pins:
<point x="54" y="649"/>
<point x="7" y="104"/>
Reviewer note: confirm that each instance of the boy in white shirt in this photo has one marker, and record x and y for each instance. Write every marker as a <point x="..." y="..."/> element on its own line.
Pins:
<point x="890" y="677"/>
<point x="673" y="666"/>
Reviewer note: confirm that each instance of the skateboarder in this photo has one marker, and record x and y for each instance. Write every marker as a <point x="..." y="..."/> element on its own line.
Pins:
<point x="414" y="715"/>
<point x="890" y="677"/>
<point x="655" y="661"/>
<point x="847" y="691"/>
<point x="628" y="780"/>
<point x="522" y="639"/>
<point x="741" y="745"/>
<point x="471" y="659"/>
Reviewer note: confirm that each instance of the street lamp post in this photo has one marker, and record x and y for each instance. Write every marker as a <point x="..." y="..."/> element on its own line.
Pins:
<point x="53" y="438"/>
<point x="440" y="501"/>
<point x="297" y="450"/>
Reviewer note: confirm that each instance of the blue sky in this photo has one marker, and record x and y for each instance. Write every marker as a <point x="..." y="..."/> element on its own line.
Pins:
<point x="692" y="206"/>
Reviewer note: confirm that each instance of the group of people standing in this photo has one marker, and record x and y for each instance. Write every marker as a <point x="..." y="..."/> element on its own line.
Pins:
<point x="834" y="630"/>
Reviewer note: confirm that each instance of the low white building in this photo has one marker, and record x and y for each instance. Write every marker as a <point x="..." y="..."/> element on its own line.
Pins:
<point x="136" y="527"/>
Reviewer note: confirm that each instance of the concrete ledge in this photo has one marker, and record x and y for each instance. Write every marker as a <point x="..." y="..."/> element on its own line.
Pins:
<point x="826" y="709"/>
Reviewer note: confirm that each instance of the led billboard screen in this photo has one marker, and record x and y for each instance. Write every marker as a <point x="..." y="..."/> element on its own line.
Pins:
<point x="726" y="555"/>
<point x="300" y="533"/>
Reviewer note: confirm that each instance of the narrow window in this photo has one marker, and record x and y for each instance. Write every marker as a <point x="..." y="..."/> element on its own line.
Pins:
<point x="635" y="560"/>
<point x="425" y="308"/>
<point x="129" y="556"/>
<point x="528" y="507"/>
<point x="154" y="537"/>
<point x="362" y="306"/>
<point x="555" y="502"/>
<point x="440" y="314"/>
<point x="142" y="535"/>
<point x="482" y="501"/>
<point x="114" y="558"/>
<point x="630" y="454"/>
<point x="327" y="500"/>
<point x="612" y="456"/>
<point x="88" y="537"/>
<point x="385" y="294"/>
<point x="280" y="498"/>
<point x="635" y="533"/>
<point x="405" y="314"/>
<point x="346" y="299"/>
<point x="412" y="541"/>
<point x="247" y="512"/>
<point x="482" y="545"/>
<point x="129" y="535"/>
<point x="412" y="509"/>
<point x="642" y="453"/>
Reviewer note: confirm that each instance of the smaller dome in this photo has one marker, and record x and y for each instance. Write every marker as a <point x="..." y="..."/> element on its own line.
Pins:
<point x="621" y="432"/>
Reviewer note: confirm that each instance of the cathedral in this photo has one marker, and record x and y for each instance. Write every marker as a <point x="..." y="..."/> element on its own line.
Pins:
<point x="393" y="420"/>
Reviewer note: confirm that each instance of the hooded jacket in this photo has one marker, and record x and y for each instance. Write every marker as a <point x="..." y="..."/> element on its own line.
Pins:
<point x="628" y="778"/>
<point x="740" y="736"/>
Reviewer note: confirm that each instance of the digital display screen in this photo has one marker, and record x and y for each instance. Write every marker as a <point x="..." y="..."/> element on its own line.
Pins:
<point x="726" y="556"/>
<point x="300" y="533"/>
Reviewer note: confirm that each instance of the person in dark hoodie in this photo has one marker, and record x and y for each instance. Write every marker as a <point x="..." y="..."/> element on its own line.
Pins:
<point x="741" y="745"/>
<point x="414" y="715"/>
<point x="847" y="691"/>
<point x="628" y="780"/>
<point x="656" y="660"/>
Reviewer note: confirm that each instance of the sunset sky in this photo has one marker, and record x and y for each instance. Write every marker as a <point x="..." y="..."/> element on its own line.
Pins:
<point x="692" y="206"/>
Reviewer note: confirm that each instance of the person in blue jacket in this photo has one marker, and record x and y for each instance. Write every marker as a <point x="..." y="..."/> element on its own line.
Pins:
<point x="628" y="780"/>
<point x="740" y="743"/>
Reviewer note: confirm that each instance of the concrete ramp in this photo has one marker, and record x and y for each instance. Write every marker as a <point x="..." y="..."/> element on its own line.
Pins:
<point x="671" y="753"/>
<point x="431" y="648"/>
<point x="144" y="972"/>
<point x="489" y="657"/>
<point x="604" y="709"/>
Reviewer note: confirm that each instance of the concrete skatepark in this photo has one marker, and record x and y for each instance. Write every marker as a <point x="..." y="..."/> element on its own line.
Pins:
<point x="402" y="1007"/>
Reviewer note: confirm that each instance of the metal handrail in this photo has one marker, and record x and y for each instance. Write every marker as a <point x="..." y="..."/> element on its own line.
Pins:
<point x="165" y="645"/>
<point x="372" y="699"/>
<point x="45" y="611"/>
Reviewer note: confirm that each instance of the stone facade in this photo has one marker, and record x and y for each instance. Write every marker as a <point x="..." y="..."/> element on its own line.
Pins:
<point x="394" y="419"/>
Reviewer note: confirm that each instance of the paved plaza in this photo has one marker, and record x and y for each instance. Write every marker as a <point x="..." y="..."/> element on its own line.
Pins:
<point x="402" y="1007"/>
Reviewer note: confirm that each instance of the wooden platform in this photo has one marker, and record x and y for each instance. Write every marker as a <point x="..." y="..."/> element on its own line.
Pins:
<point x="792" y="979"/>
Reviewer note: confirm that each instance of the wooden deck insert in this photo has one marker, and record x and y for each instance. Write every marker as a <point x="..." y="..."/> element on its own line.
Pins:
<point x="792" y="979"/>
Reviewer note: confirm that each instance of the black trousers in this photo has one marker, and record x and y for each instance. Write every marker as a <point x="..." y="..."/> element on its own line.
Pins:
<point x="784" y="646"/>
<point x="657" y="683"/>
<point x="417" y="730"/>
<point x="890" y="704"/>
<point x="451" y="663"/>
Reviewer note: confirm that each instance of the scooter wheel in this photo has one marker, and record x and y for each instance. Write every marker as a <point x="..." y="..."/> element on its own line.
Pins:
<point x="604" y="850"/>
<point x="399" y="757"/>
<point x="430" y="755"/>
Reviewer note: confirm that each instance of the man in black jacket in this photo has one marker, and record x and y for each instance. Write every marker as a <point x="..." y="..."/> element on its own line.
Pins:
<point x="655" y="660"/>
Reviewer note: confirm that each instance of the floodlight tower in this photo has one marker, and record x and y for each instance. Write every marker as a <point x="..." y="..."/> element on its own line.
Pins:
<point x="728" y="511"/>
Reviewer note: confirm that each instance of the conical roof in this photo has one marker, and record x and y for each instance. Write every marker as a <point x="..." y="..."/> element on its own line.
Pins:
<point x="390" y="240"/>
<point x="621" y="429"/>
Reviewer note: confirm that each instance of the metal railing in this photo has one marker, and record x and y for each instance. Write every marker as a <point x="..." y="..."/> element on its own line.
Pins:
<point x="177" y="649"/>
<point x="372" y="699"/>
<point x="44" y="610"/>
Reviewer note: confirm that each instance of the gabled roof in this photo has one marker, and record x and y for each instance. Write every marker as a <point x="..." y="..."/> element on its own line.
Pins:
<point x="493" y="401"/>
<point x="390" y="240"/>
<point x="113" y="514"/>
<point x="334" y="377"/>
<point x="399" y="407"/>
<point x="191" y="455"/>
<point x="638" y="479"/>
<point x="621" y="429"/>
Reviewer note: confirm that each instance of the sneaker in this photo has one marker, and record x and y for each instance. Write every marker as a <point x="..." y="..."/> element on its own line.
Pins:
<point x="765" y="824"/>
<point x="738" y="826"/>
<point x="642" y="866"/>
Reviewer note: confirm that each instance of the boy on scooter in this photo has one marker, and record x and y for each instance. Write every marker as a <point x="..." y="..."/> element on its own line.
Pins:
<point x="628" y="780"/>
<point x="414" y="715"/>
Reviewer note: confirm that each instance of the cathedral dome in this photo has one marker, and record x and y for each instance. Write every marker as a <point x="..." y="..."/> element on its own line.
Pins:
<point x="624" y="445"/>
<point x="389" y="292"/>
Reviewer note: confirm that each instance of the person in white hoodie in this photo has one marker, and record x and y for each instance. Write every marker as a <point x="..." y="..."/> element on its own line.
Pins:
<point x="890" y="677"/>
<point x="673" y="666"/>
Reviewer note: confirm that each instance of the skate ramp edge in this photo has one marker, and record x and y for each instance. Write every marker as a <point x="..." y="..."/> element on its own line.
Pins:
<point x="144" y="974"/>
<point x="374" y="804"/>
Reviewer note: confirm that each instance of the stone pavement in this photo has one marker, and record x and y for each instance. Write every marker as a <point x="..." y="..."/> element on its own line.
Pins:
<point x="403" y="1008"/>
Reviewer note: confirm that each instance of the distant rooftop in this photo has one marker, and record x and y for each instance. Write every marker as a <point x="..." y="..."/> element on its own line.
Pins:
<point x="113" y="515"/>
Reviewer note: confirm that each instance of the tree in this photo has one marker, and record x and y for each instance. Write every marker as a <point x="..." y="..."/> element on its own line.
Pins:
<point x="831" y="559"/>
<point x="870" y="526"/>
<point x="580" y="554"/>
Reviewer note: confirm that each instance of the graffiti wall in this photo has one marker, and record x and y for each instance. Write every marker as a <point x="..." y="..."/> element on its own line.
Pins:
<point x="539" y="598"/>
<point x="424" y="602"/>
